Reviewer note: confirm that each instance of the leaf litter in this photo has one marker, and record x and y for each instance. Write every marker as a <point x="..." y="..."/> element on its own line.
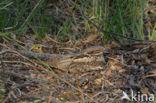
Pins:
<point x="126" y="67"/>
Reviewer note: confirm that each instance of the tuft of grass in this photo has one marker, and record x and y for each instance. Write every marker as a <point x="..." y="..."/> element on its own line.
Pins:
<point x="41" y="25"/>
<point x="43" y="17"/>
<point x="16" y="16"/>
<point x="152" y="36"/>
<point x="10" y="16"/>
<point x="64" y="29"/>
<point x="20" y="16"/>
<point x="124" y="17"/>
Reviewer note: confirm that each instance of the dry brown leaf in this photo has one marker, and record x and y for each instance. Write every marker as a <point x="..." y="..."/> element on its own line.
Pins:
<point x="151" y="73"/>
<point x="144" y="90"/>
<point x="67" y="94"/>
<point x="91" y="38"/>
<point x="33" y="75"/>
<point x="121" y="70"/>
<point x="49" y="39"/>
<point x="23" y="39"/>
<point x="98" y="81"/>
<point x="33" y="37"/>
<point x="112" y="45"/>
<point x="85" y="87"/>
<point x="117" y="91"/>
<point x="109" y="83"/>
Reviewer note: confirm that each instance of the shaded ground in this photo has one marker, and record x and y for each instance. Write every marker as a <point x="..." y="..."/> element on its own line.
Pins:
<point x="126" y="68"/>
<point x="25" y="80"/>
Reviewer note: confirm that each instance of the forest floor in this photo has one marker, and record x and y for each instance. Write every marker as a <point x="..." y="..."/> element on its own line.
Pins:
<point x="126" y="69"/>
<point x="73" y="63"/>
